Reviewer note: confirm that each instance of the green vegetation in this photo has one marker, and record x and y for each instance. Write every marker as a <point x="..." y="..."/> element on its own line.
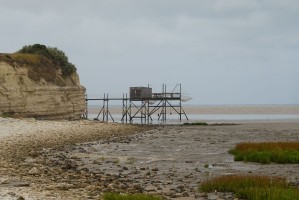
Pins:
<point x="267" y="152"/>
<point x="7" y="115"/>
<point x="252" y="187"/>
<point x="115" y="196"/>
<point x="206" y="124"/>
<point x="56" y="56"/>
<point x="196" y="124"/>
<point x="224" y="124"/>
<point x="43" y="64"/>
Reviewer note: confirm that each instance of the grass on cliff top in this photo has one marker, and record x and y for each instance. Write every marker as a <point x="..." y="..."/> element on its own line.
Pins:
<point x="267" y="152"/>
<point x="252" y="187"/>
<point x="42" y="62"/>
<point x="38" y="67"/>
<point x="56" y="56"/>
<point x="115" y="196"/>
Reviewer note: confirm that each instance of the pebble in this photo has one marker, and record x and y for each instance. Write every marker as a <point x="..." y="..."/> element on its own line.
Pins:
<point x="33" y="171"/>
<point x="150" y="188"/>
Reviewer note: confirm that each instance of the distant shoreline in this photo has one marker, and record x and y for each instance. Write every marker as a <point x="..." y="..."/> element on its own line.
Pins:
<point x="220" y="109"/>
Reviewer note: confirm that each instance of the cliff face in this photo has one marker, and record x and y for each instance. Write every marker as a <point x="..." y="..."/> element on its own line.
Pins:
<point x="30" y="88"/>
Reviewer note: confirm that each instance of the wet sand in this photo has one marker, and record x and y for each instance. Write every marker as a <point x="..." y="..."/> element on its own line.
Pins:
<point x="81" y="160"/>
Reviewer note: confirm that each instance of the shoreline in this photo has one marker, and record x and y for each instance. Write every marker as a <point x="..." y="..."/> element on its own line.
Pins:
<point x="22" y="137"/>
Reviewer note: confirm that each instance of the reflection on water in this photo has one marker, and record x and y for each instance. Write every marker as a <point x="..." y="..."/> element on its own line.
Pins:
<point x="211" y="117"/>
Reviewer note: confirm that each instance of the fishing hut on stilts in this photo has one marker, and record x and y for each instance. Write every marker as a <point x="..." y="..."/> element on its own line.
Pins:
<point x="142" y="104"/>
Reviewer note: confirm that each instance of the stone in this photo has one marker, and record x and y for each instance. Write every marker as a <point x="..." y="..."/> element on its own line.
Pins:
<point x="155" y="169"/>
<point x="21" y="184"/>
<point x="64" y="186"/>
<point x="111" y="186"/>
<point x="33" y="171"/>
<point x="150" y="188"/>
<point x="123" y="186"/>
<point x="168" y="191"/>
<point x="212" y="197"/>
<point x="12" y="194"/>
<point x="185" y="194"/>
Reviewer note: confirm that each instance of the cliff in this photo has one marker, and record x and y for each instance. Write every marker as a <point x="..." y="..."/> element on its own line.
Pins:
<point x="34" y="86"/>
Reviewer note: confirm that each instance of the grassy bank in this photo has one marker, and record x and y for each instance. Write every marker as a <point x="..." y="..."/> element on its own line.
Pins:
<point x="252" y="187"/>
<point x="267" y="152"/>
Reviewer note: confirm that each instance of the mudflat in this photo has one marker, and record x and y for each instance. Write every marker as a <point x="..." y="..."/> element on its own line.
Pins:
<point x="83" y="159"/>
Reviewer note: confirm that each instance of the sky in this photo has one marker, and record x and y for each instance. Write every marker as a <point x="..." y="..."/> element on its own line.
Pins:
<point x="220" y="51"/>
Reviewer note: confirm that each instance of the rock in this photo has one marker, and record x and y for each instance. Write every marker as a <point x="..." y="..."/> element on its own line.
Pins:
<point x="180" y="188"/>
<point x="123" y="186"/>
<point x="20" y="198"/>
<point x="155" y="169"/>
<point x="111" y="186"/>
<point x="64" y="186"/>
<point x="137" y="188"/>
<point x="33" y="171"/>
<point x="4" y="181"/>
<point x="168" y="191"/>
<point x="150" y="188"/>
<point x="212" y="197"/>
<point x="203" y="195"/>
<point x="185" y="194"/>
<point x="21" y="184"/>
<point x="12" y="194"/>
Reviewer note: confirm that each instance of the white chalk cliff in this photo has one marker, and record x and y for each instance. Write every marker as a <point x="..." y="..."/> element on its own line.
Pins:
<point x="33" y="91"/>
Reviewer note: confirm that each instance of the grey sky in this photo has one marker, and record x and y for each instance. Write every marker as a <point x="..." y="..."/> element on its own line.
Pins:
<point x="221" y="51"/>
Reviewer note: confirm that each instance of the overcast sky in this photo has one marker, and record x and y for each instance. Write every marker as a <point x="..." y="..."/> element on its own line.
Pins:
<point x="221" y="51"/>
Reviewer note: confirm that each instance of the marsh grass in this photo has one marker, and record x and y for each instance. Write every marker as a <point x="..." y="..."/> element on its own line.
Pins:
<point x="115" y="196"/>
<point x="267" y="152"/>
<point x="206" y="124"/>
<point x="252" y="187"/>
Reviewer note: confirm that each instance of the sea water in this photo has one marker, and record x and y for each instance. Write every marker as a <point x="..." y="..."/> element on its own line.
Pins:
<point x="203" y="117"/>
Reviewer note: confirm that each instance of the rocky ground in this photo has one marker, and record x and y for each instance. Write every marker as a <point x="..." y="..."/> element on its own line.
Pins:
<point x="81" y="160"/>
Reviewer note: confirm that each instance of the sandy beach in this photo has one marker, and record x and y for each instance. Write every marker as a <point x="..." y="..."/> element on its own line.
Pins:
<point x="83" y="159"/>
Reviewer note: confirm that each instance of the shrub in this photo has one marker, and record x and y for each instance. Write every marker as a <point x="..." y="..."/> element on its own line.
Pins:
<point x="57" y="56"/>
<point x="266" y="152"/>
